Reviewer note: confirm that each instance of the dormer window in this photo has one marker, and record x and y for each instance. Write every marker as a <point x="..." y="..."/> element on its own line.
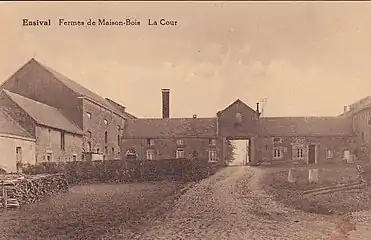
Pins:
<point x="88" y="114"/>
<point x="150" y="142"/>
<point x="277" y="140"/>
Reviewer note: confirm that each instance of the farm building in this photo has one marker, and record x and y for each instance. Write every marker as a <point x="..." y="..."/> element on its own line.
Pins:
<point x="310" y="140"/>
<point x="55" y="138"/>
<point x="99" y="120"/>
<point x="16" y="144"/>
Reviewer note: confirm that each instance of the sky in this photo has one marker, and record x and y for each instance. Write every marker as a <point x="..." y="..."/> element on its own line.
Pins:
<point x="305" y="58"/>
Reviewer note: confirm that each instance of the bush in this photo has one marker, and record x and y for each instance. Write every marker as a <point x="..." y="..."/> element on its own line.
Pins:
<point x="128" y="170"/>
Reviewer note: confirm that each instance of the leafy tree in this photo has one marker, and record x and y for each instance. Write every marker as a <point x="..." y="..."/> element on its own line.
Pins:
<point x="230" y="151"/>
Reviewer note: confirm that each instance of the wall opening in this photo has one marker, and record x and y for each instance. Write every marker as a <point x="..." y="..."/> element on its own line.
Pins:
<point x="241" y="152"/>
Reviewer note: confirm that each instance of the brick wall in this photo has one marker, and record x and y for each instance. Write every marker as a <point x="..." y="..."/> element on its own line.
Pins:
<point x="166" y="148"/>
<point x="49" y="140"/>
<point x="97" y="126"/>
<point x="337" y="144"/>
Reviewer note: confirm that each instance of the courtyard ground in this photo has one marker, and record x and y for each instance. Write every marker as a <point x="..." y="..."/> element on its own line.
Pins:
<point x="235" y="203"/>
<point x="86" y="212"/>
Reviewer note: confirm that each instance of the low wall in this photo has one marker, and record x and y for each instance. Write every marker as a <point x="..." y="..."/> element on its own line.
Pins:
<point x="127" y="170"/>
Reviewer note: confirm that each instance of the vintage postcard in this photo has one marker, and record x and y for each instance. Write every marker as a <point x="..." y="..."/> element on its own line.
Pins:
<point x="185" y="120"/>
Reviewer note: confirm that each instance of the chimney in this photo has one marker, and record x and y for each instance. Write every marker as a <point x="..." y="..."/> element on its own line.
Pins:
<point x="257" y="109"/>
<point x="194" y="116"/>
<point x="165" y="103"/>
<point x="345" y="108"/>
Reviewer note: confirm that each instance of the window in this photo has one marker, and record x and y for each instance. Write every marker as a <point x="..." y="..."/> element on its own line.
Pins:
<point x="212" y="141"/>
<point x="105" y="122"/>
<point x="369" y="121"/>
<point x="150" y="142"/>
<point x="277" y="140"/>
<point x="74" y="157"/>
<point x="179" y="153"/>
<point x="329" y="153"/>
<point x="180" y="142"/>
<point x="97" y="150"/>
<point x="89" y="134"/>
<point x="106" y="150"/>
<point x="118" y="128"/>
<point x="298" y="153"/>
<point x="89" y="146"/>
<point x="49" y="156"/>
<point x="63" y="141"/>
<point x="88" y="114"/>
<point x="277" y="153"/>
<point x="105" y="137"/>
<point x="113" y="151"/>
<point x="150" y="154"/>
<point x="212" y="156"/>
<point x="118" y="140"/>
<point x="238" y="118"/>
<point x="18" y="152"/>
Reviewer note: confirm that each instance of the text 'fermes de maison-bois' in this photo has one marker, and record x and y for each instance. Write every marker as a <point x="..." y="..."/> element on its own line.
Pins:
<point x="98" y="22"/>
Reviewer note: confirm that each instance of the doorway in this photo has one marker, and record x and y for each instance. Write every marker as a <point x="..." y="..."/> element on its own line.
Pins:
<point x="312" y="154"/>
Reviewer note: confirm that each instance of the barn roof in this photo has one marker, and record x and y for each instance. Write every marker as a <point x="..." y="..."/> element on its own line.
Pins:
<point x="171" y="127"/>
<point x="9" y="126"/>
<point x="305" y="126"/>
<point x="43" y="114"/>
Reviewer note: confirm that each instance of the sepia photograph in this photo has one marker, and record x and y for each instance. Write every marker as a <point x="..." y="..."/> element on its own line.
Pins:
<point x="185" y="120"/>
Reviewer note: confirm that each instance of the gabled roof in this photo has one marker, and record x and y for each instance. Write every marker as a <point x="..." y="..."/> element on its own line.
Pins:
<point x="171" y="127"/>
<point x="305" y="126"/>
<point x="77" y="88"/>
<point x="9" y="126"/>
<point x="43" y="114"/>
<point x="238" y="101"/>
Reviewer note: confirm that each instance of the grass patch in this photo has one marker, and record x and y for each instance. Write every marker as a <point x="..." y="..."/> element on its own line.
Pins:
<point x="291" y="194"/>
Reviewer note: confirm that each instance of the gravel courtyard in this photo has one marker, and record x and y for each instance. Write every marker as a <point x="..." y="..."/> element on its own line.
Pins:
<point x="231" y="205"/>
<point x="228" y="205"/>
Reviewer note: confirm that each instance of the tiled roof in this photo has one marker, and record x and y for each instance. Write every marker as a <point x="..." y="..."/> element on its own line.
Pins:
<point x="80" y="89"/>
<point x="44" y="114"/>
<point x="305" y="126"/>
<point x="9" y="126"/>
<point x="172" y="127"/>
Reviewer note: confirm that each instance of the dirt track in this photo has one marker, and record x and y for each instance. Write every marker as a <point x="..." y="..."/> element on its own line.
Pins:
<point x="231" y="205"/>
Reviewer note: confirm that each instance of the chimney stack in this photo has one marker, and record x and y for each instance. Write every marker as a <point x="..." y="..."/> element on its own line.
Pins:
<point x="345" y="108"/>
<point x="165" y="103"/>
<point x="195" y="116"/>
<point x="257" y="109"/>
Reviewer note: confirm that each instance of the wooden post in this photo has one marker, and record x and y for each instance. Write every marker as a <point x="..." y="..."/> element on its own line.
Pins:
<point x="313" y="176"/>
<point x="5" y="198"/>
<point x="290" y="177"/>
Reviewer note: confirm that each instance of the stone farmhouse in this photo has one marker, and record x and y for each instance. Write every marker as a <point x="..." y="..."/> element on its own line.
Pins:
<point x="65" y="121"/>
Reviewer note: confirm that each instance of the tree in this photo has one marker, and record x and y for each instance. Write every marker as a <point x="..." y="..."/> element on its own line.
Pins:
<point x="230" y="151"/>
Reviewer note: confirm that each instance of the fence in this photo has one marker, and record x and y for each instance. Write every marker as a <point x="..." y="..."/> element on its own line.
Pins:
<point x="127" y="170"/>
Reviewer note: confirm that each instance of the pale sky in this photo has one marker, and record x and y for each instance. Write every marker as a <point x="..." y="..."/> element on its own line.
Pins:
<point x="305" y="58"/>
